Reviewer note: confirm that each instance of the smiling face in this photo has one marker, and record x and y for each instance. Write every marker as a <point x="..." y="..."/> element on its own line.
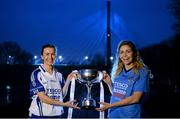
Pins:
<point x="126" y="55"/>
<point x="48" y="56"/>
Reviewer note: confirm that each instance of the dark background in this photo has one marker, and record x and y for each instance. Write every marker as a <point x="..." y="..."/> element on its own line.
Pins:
<point x="164" y="96"/>
<point x="162" y="58"/>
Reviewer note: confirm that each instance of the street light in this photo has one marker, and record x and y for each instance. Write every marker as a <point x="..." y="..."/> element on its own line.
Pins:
<point x="35" y="57"/>
<point x="86" y="57"/>
<point x="60" y="58"/>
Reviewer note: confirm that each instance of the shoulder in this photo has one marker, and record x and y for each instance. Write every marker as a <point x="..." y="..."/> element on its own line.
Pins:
<point x="144" y="70"/>
<point x="36" y="71"/>
<point x="58" y="74"/>
<point x="144" y="73"/>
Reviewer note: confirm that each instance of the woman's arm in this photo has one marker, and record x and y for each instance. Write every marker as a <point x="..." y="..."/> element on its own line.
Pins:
<point x="135" y="98"/>
<point x="48" y="100"/>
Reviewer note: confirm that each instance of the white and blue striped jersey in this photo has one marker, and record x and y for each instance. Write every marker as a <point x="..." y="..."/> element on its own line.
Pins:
<point x="51" y="85"/>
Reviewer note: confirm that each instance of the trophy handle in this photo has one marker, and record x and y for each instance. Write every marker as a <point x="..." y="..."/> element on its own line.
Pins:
<point x="99" y="78"/>
<point x="80" y="80"/>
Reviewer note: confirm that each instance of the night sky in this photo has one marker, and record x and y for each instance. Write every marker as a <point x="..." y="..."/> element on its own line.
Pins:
<point x="78" y="27"/>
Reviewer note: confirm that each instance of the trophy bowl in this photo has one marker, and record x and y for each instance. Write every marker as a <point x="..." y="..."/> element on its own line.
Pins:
<point x="88" y="75"/>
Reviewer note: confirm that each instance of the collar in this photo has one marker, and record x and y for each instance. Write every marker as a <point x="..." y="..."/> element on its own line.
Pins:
<point x="44" y="71"/>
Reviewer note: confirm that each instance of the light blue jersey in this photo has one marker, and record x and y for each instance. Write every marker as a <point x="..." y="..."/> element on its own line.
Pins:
<point x="51" y="85"/>
<point x="124" y="85"/>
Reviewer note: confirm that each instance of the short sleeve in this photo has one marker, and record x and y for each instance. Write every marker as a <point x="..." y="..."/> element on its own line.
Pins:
<point x="35" y="84"/>
<point x="142" y="84"/>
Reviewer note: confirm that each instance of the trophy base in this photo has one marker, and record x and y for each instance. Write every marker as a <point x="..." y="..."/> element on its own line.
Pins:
<point x="88" y="104"/>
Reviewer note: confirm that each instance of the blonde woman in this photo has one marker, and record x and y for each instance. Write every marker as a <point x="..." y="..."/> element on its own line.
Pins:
<point x="129" y="83"/>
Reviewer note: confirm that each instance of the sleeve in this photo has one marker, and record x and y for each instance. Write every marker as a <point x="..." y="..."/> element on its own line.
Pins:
<point x="35" y="84"/>
<point x="142" y="84"/>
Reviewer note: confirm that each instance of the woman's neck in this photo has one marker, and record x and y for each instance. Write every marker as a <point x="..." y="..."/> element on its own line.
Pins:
<point x="49" y="68"/>
<point x="128" y="67"/>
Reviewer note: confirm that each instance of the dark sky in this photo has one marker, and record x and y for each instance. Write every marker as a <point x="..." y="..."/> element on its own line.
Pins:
<point x="78" y="27"/>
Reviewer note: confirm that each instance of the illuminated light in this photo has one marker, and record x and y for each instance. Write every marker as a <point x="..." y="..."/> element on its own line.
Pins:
<point x="111" y="58"/>
<point x="35" y="57"/>
<point x="8" y="87"/>
<point x="86" y="57"/>
<point x="60" y="57"/>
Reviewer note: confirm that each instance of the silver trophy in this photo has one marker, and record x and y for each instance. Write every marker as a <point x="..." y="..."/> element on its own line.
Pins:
<point x="89" y="77"/>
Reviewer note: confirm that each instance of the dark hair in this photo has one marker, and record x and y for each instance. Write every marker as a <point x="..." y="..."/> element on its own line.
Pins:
<point x="48" y="46"/>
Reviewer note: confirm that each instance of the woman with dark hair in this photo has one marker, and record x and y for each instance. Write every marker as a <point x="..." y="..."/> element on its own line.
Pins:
<point x="48" y="87"/>
<point x="130" y="80"/>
